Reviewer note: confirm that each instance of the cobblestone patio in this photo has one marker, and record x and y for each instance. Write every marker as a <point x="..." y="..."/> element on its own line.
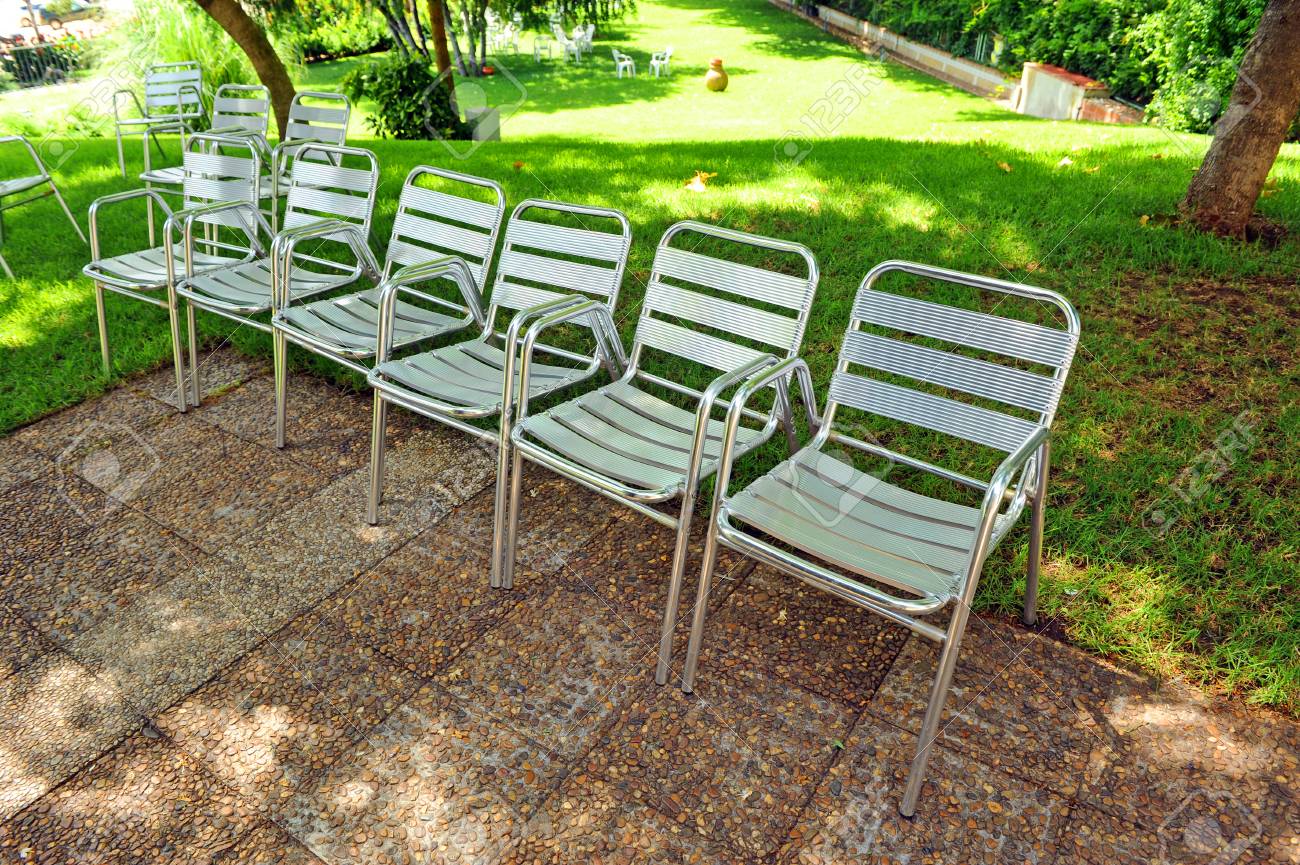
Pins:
<point x="209" y="657"/>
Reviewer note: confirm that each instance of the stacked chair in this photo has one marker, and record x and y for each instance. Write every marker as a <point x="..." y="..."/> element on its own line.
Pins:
<point x="930" y="356"/>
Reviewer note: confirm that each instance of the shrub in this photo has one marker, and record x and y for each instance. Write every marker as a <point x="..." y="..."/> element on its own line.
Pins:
<point x="410" y="101"/>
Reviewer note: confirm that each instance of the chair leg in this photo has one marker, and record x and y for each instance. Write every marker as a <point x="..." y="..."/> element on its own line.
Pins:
<point x="280" y="351"/>
<point x="512" y="518"/>
<point x="681" y="553"/>
<point x="121" y="156"/>
<point x="701" y="606"/>
<point x="934" y="710"/>
<point x="192" y="332"/>
<point x="1037" y="513"/>
<point x="174" y="320"/>
<point x="378" y="449"/>
<point x="4" y="265"/>
<point x="59" y="196"/>
<point x="103" y="328"/>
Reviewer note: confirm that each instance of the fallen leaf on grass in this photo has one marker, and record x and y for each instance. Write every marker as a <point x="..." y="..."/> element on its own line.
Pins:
<point x="1065" y="161"/>
<point x="1092" y="169"/>
<point x="700" y="182"/>
<point x="1005" y="167"/>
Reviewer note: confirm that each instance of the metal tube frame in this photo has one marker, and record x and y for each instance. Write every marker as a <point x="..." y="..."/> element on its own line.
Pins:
<point x="46" y="177"/>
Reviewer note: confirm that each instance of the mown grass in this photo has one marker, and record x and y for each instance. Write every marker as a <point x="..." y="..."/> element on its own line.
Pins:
<point x="1182" y="332"/>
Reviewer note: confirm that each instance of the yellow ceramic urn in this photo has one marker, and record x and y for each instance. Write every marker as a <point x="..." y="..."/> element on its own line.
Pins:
<point x="716" y="78"/>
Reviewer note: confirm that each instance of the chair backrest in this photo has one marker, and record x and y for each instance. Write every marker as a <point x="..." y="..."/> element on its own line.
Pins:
<point x="316" y="116"/>
<point x="435" y="222"/>
<point x="722" y="333"/>
<point x="174" y="90"/>
<point x="242" y="106"/>
<point x="219" y="168"/>
<point x="542" y="261"/>
<point x="331" y="181"/>
<point x="971" y="375"/>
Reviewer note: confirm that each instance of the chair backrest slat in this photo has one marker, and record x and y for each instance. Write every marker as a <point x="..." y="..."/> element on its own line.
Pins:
<point x="539" y="260"/>
<point x="432" y="223"/>
<point x="992" y="380"/>
<point x="333" y="188"/>
<point x="1005" y="384"/>
<point x="1019" y="339"/>
<point x="168" y="84"/>
<point x="244" y="106"/>
<point x="679" y="318"/>
<point x="328" y="122"/>
<point x="220" y="168"/>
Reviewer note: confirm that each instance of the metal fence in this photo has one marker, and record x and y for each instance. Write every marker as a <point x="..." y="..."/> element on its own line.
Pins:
<point x="44" y="62"/>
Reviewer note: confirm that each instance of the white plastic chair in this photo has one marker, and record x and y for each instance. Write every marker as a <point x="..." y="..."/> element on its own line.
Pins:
<point x="570" y="47"/>
<point x="623" y="63"/>
<point x="646" y="439"/>
<point x="439" y="234"/>
<point x="965" y="377"/>
<point x="29" y="183"/>
<point x="541" y="41"/>
<point x="661" y="62"/>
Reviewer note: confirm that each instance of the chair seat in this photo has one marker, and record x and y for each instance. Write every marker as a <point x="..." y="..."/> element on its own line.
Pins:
<point x="21" y="184"/>
<point x="246" y="288"/>
<point x="469" y="375"/>
<point x="628" y="435"/>
<point x="348" y="325"/>
<point x="863" y="524"/>
<point x="147" y="270"/>
<point x="174" y="175"/>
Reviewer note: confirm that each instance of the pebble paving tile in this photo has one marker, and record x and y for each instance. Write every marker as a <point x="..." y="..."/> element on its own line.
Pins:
<point x="967" y="814"/>
<point x="55" y="716"/>
<point x="118" y="416"/>
<point x="558" y="667"/>
<point x="169" y="643"/>
<point x="325" y="691"/>
<point x="145" y="801"/>
<point x="438" y="782"/>
<point x="214" y="488"/>
<point x="19" y="464"/>
<point x="219" y="371"/>
<point x="804" y="635"/>
<point x="1020" y="705"/>
<point x="98" y="574"/>
<point x="738" y="758"/>
<point x="20" y="644"/>
<point x="592" y="820"/>
<point x="286" y="711"/>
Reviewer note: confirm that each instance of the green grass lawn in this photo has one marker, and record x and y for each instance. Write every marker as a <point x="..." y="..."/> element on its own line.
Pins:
<point x="1182" y="333"/>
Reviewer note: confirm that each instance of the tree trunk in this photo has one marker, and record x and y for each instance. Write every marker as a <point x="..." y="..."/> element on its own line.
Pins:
<point x="1222" y="194"/>
<point x="438" y="30"/>
<point x="251" y="38"/>
<point x="419" y="29"/>
<point x="455" y="43"/>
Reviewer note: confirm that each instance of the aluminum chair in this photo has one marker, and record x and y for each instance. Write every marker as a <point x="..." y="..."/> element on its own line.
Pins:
<point x="543" y="268"/>
<point x="237" y="109"/>
<point x="220" y="172"/>
<point x="661" y="62"/>
<point x="635" y="447"/>
<point x="437" y="234"/>
<point x="330" y="201"/>
<point x="173" y="94"/>
<point x="29" y="183"/>
<point x="884" y="547"/>
<point x="623" y="63"/>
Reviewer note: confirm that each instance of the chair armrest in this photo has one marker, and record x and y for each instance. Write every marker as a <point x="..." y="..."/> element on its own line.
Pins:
<point x="40" y="166"/>
<point x="548" y="315"/>
<point x="136" y="99"/>
<point x="1006" y="472"/>
<point x="283" y="245"/>
<point x="185" y="220"/>
<point x="451" y="265"/>
<point x="766" y="370"/>
<point x="116" y="198"/>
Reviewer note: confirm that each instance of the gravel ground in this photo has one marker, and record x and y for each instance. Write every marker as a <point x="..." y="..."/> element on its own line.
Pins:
<point x="208" y="656"/>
